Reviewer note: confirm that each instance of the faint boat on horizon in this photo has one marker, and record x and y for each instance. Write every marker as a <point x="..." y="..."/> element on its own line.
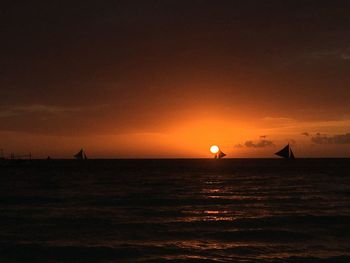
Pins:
<point x="2" y="156"/>
<point x="80" y="155"/>
<point x="286" y="152"/>
<point x="15" y="159"/>
<point x="3" y="160"/>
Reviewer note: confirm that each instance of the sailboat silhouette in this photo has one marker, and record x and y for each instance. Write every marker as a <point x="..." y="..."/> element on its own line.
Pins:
<point x="80" y="155"/>
<point x="286" y="152"/>
<point x="219" y="155"/>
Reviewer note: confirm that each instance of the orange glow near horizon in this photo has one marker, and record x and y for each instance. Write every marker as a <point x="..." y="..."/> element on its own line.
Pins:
<point x="184" y="137"/>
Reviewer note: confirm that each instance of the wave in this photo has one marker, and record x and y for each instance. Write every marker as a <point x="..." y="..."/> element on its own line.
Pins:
<point x="142" y="254"/>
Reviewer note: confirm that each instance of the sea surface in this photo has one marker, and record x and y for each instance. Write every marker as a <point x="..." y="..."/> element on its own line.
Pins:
<point x="192" y="210"/>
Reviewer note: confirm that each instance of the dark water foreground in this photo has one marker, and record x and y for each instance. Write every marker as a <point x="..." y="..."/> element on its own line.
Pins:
<point x="175" y="211"/>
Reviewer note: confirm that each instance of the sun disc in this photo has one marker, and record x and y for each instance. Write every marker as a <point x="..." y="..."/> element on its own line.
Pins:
<point x="214" y="149"/>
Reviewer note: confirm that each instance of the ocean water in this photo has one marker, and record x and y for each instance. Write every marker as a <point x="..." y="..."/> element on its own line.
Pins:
<point x="196" y="210"/>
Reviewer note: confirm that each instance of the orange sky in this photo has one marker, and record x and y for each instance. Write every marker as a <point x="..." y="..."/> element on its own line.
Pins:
<point x="191" y="138"/>
<point x="138" y="79"/>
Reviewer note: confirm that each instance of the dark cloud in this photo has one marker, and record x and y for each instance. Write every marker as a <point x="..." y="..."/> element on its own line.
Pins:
<point x="331" y="139"/>
<point x="238" y="146"/>
<point x="263" y="136"/>
<point x="306" y="134"/>
<point x="259" y="144"/>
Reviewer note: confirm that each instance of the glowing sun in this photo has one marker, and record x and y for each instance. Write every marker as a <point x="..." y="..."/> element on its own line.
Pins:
<point x="214" y="149"/>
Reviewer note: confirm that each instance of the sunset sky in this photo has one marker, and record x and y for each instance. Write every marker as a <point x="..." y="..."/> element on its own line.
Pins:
<point x="169" y="78"/>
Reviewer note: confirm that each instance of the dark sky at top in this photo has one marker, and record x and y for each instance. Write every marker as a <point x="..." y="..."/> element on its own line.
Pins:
<point x="82" y="67"/>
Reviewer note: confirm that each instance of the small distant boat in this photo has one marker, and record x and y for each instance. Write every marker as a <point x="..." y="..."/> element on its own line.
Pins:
<point x="219" y="155"/>
<point x="80" y="155"/>
<point x="286" y="152"/>
<point x="2" y="156"/>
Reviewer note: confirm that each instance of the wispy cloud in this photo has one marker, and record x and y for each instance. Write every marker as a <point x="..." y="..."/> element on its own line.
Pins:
<point x="337" y="54"/>
<point x="259" y="144"/>
<point x="46" y="109"/>
<point x="7" y="113"/>
<point x="345" y="56"/>
<point x="277" y="122"/>
<point x="331" y="139"/>
<point x="285" y="126"/>
<point x="278" y="119"/>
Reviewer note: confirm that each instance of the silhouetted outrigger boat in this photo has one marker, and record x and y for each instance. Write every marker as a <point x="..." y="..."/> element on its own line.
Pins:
<point x="14" y="159"/>
<point x="286" y="152"/>
<point x="80" y="155"/>
<point x="219" y="155"/>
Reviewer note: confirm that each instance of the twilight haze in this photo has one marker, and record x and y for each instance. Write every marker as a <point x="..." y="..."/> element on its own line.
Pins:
<point x="170" y="78"/>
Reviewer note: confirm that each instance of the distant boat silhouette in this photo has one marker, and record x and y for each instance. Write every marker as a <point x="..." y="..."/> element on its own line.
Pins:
<point x="2" y="156"/>
<point x="286" y="152"/>
<point x="219" y="155"/>
<point x="80" y="155"/>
